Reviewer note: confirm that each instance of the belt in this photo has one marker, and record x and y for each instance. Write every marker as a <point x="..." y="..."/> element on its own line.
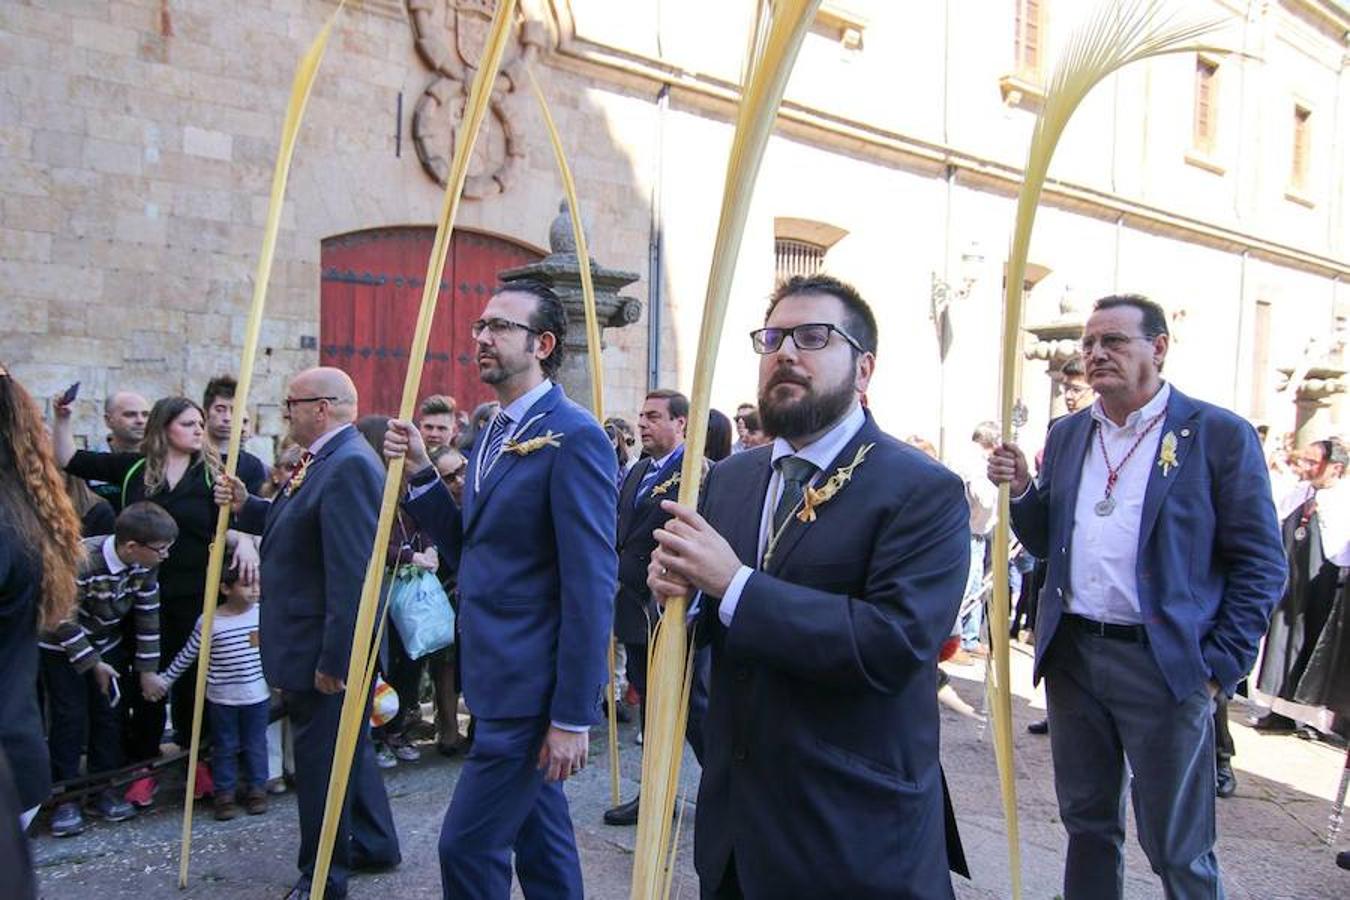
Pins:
<point x="1134" y="633"/>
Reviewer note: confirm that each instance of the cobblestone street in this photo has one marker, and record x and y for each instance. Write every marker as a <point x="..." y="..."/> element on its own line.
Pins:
<point x="1270" y="834"/>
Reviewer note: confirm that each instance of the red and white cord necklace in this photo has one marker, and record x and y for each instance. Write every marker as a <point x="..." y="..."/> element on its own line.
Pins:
<point x="1107" y="505"/>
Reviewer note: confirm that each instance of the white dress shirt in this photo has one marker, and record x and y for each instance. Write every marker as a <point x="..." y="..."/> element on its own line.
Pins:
<point x="1105" y="549"/>
<point x="517" y="410"/>
<point x="322" y="440"/>
<point x="1333" y="516"/>
<point x="822" y="452"/>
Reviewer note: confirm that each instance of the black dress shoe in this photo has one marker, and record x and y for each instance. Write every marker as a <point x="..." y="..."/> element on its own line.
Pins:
<point x="622" y="714"/>
<point x="1343" y="859"/>
<point x="1040" y="726"/>
<point x="624" y="813"/>
<point x="1274" y="723"/>
<point x="1225" y="782"/>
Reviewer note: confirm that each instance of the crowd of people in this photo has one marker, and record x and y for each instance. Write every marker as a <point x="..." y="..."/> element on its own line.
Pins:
<point x="833" y="567"/>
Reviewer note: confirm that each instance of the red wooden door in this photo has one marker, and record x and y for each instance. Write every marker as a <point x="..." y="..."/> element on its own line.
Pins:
<point x="368" y="303"/>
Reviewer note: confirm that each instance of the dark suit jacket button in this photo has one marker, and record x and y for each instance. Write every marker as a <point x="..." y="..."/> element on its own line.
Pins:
<point x="742" y="673"/>
<point x="739" y="755"/>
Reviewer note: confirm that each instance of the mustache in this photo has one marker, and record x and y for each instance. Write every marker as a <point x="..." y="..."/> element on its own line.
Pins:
<point x="786" y="376"/>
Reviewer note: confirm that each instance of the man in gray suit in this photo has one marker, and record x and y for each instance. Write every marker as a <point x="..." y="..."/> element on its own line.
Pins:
<point x="316" y="539"/>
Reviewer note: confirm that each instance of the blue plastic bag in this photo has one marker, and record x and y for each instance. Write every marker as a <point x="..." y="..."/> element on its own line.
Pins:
<point x="421" y="612"/>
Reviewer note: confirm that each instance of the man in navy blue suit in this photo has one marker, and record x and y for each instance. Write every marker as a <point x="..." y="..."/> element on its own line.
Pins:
<point x="831" y="565"/>
<point x="316" y="539"/>
<point x="1164" y="560"/>
<point x="534" y="542"/>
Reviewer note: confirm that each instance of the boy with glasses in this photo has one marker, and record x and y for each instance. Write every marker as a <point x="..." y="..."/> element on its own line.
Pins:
<point x="84" y="658"/>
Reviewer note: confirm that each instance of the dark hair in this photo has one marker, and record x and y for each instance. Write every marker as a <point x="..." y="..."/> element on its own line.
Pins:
<point x="373" y="429"/>
<point x="751" y="421"/>
<point x="1073" y="366"/>
<point x="145" y="523"/>
<point x="1334" y="452"/>
<point x="742" y="406"/>
<point x="622" y="426"/>
<point x="229" y="575"/>
<point x="858" y="319"/>
<point x="717" y="446"/>
<point x="477" y="419"/>
<point x="437" y="405"/>
<point x="549" y="315"/>
<point x="1153" y="321"/>
<point x="220" y="386"/>
<point x="677" y="404"/>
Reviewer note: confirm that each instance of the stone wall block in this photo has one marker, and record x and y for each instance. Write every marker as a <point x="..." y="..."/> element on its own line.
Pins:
<point x="207" y="143"/>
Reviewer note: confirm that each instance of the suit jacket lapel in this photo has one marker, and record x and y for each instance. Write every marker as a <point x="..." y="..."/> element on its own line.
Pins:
<point x="794" y="529"/>
<point x="628" y="510"/>
<point x="1180" y="413"/>
<point x="534" y="422"/>
<point x="743" y="534"/>
<point x="1079" y="429"/>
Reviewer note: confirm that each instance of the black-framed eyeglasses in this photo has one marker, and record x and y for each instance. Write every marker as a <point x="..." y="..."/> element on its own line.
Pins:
<point x="291" y="401"/>
<point x="457" y="475"/>
<point x="499" y="327"/>
<point x="160" y="550"/>
<point x="807" y="336"/>
<point x="1111" y="342"/>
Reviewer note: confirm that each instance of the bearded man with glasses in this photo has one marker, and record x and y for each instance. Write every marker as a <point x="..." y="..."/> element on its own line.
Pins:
<point x="825" y="606"/>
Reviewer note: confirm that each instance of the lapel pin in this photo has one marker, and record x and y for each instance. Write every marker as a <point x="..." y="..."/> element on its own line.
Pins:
<point x="1185" y="432"/>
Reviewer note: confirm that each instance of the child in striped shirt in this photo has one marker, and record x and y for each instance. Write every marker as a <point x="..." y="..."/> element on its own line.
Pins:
<point x="237" y="696"/>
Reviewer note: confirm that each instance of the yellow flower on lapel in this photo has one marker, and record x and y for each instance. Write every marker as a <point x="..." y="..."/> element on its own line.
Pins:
<point x="525" y="448"/>
<point x="814" y="497"/>
<point x="1167" y="453"/>
<point x="661" y="489"/>
<point x="298" y="476"/>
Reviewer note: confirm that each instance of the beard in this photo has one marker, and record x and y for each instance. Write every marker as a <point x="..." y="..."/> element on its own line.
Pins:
<point x="808" y="414"/>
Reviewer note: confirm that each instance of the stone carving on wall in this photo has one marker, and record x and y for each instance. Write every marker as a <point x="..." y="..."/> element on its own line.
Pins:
<point x="450" y="37"/>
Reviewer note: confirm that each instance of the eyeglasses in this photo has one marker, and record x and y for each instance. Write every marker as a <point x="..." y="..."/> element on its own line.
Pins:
<point x="1075" y="389"/>
<point x="291" y="401"/>
<point x="162" y="551"/>
<point x="457" y="475"/>
<point x="1112" y="342"/>
<point x="808" y="336"/>
<point x="498" y="327"/>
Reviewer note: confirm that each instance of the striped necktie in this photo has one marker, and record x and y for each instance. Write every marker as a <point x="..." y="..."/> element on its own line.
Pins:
<point x="496" y="436"/>
<point x="647" y="483"/>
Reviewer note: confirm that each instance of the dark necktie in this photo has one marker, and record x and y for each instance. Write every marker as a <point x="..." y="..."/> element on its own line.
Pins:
<point x="647" y="483"/>
<point x="496" y="435"/>
<point x="796" y="474"/>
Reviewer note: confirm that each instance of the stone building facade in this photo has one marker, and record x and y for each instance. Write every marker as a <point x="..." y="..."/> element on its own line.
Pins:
<point x="137" y="139"/>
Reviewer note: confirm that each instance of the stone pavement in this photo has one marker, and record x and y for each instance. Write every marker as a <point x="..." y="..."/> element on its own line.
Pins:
<point x="1269" y="834"/>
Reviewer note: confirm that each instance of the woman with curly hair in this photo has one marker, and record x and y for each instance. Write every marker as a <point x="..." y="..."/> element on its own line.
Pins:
<point x="174" y="469"/>
<point x="40" y="551"/>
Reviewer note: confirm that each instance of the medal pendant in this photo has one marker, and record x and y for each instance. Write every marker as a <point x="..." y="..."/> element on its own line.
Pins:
<point x="1301" y="533"/>
<point x="1105" y="506"/>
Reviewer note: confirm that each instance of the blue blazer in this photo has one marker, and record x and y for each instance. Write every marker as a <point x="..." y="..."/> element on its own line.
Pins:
<point x="1210" y="563"/>
<point x="316" y="543"/>
<point x="535" y="544"/>
<point x="820" y="765"/>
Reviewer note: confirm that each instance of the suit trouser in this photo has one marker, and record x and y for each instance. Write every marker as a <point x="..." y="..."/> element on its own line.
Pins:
<point x="502" y="804"/>
<point x="1223" y="737"/>
<point x="698" y="690"/>
<point x="79" y="719"/>
<point x="366" y="834"/>
<point x="1109" y="704"/>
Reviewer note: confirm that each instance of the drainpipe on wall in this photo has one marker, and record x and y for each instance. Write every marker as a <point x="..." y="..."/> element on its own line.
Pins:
<point x="655" y="275"/>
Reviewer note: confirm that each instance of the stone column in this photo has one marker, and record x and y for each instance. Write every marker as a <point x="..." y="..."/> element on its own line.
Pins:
<point x="1312" y="400"/>
<point x="562" y="271"/>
